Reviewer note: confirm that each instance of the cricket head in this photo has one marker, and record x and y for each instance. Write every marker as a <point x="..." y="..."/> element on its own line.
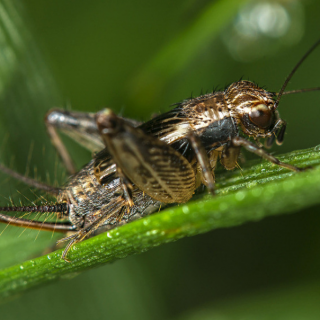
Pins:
<point x="253" y="107"/>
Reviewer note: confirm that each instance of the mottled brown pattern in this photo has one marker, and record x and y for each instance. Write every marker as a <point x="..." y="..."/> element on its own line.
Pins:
<point x="222" y="112"/>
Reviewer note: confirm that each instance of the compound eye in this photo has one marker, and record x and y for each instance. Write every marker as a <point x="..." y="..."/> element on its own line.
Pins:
<point x="261" y="116"/>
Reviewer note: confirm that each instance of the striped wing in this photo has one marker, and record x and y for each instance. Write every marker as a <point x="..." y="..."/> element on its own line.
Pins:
<point x="152" y="165"/>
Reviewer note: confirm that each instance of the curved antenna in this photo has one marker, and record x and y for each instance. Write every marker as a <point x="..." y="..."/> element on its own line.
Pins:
<point x="293" y="72"/>
<point x="299" y="91"/>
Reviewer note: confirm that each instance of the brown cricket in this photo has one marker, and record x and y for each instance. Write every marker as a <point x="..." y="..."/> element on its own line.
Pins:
<point x="140" y="167"/>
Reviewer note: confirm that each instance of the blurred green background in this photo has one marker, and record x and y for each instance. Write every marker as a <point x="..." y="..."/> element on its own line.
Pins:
<point x="139" y="57"/>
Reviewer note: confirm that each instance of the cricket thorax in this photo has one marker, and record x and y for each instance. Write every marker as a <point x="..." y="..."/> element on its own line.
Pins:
<point x="208" y="116"/>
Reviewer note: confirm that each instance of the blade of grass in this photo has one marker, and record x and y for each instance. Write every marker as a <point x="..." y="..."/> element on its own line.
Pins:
<point x="250" y="195"/>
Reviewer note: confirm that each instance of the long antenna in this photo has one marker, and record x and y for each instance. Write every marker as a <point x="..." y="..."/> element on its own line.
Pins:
<point x="299" y="91"/>
<point x="293" y="72"/>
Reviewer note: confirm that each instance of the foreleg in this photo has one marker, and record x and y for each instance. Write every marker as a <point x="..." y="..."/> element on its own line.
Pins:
<point x="241" y="142"/>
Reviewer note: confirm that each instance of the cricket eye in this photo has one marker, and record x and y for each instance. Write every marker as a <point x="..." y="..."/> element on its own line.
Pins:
<point x="261" y="116"/>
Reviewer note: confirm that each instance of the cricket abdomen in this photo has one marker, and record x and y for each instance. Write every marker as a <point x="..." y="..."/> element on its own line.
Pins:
<point x="88" y="198"/>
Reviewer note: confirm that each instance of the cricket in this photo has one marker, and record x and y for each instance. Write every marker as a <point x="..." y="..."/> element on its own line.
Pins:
<point x="139" y="167"/>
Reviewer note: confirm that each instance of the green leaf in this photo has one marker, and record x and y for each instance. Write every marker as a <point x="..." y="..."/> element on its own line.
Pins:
<point x="249" y="195"/>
